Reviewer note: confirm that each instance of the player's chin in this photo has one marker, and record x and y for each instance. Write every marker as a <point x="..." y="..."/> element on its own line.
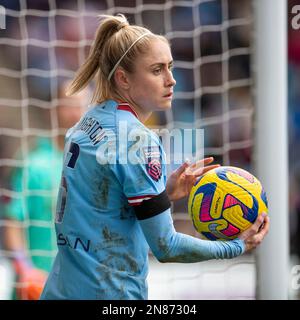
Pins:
<point x="165" y="105"/>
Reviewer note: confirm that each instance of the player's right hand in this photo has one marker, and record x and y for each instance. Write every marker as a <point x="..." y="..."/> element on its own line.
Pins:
<point x="181" y="181"/>
<point x="256" y="233"/>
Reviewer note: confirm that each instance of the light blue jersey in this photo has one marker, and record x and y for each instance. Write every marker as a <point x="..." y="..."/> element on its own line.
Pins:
<point x="102" y="251"/>
<point x="112" y="206"/>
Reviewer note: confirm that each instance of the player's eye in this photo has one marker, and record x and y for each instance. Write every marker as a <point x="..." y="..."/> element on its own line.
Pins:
<point x="157" y="71"/>
<point x="171" y="67"/>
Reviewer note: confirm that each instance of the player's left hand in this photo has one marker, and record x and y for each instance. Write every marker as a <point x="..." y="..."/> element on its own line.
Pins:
<point x="182" y="180"/>
<point x="254" y="235"/>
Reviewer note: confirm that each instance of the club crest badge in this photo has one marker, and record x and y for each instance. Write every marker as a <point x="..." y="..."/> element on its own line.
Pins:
<point x="153" y="162"/>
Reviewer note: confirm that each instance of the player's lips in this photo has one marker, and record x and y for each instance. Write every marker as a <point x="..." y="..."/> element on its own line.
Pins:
<point x="169" y="95"/>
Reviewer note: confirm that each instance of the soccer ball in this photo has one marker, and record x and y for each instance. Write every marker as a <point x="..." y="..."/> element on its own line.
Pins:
<point x="226" y="201"/>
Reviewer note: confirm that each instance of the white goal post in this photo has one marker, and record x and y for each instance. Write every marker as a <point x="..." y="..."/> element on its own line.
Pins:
<point x="271" y="143"/>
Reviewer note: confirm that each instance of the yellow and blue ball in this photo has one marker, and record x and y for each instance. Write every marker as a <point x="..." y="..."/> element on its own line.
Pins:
<point x="226" y="201"/>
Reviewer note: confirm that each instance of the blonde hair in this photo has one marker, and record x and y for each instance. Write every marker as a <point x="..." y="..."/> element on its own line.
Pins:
<point x="117" y="43"/>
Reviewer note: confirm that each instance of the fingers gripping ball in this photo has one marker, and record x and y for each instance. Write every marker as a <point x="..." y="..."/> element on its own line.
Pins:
<point x="226" y="201"/>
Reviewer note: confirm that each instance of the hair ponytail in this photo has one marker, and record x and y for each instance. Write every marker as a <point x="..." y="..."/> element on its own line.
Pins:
<point x="114" y="39"/>
<point x="87" y="71"/>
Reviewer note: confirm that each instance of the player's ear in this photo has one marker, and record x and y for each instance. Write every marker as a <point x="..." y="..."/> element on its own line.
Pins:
<point x="121" y="79"/>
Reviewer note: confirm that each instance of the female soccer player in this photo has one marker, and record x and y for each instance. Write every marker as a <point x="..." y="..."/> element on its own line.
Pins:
<point x="114" y="200"/>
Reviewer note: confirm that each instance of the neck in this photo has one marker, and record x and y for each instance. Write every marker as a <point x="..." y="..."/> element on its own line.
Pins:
<point x="142" y="114"/>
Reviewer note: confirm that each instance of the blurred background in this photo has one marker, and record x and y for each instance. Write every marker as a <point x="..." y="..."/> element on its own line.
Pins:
<point x="44" y="43"/>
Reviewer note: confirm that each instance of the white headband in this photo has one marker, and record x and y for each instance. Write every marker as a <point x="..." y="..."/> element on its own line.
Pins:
<point x="116" y="65"/>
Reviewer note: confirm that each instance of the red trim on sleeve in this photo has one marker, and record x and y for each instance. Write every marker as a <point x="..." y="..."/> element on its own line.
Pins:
<point x="135" y="201"/>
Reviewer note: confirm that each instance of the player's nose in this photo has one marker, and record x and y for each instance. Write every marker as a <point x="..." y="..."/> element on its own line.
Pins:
<point x="170" y="81"/>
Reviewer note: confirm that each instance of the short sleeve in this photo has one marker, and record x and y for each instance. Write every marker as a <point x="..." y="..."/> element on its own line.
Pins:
<point x="142" y="172"/>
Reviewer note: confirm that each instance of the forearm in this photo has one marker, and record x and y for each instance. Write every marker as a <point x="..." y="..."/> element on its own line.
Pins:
<point x="187" y="249"/>
<point x="170" y="246"/>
